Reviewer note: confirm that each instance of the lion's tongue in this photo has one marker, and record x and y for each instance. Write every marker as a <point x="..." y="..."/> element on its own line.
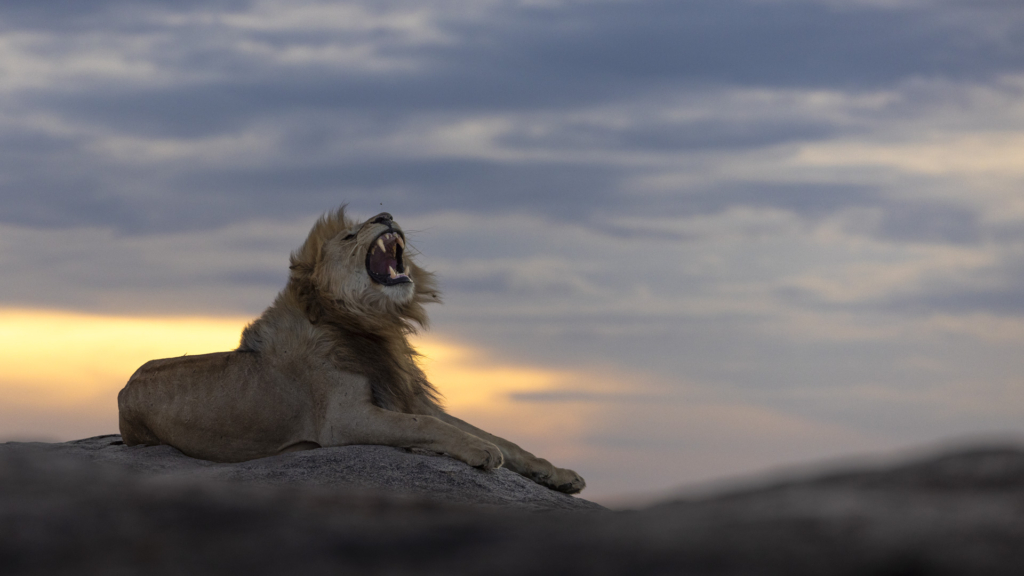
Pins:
<point x="380" y="262"/>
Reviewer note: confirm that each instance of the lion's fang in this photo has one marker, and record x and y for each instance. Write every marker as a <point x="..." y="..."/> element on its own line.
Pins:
<point x="380" y="243"/>
<point x="392" y="272"/>
<point x="400" y="242"/>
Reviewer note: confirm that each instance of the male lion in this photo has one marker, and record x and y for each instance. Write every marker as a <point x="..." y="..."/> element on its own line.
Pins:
<point x="327" y="364"/>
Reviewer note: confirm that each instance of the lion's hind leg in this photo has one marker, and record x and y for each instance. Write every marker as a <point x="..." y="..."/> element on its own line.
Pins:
<point x="133" y="431"/>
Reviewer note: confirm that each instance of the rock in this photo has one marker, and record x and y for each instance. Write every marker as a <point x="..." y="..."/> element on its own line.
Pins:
<point x="391" y="471"/>
<point x="72" y="509"/>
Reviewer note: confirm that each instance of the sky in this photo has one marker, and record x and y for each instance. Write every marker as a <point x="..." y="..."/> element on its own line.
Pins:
<point x="677" y="241"/>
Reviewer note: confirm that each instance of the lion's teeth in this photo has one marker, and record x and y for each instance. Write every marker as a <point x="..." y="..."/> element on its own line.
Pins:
<point x="392" y="272"/>
<point x="400" y="241"/>
<point x="380" y="244"/>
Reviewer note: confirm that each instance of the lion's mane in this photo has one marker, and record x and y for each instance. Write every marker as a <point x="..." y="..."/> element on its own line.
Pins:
<point x="362" y="339"/>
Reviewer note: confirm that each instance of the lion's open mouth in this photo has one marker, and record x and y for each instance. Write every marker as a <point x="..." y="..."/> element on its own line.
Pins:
<point x="384" y="260"/>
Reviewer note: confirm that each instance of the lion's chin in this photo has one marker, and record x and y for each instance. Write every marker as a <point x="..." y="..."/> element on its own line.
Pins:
<point x="399" y="293"/>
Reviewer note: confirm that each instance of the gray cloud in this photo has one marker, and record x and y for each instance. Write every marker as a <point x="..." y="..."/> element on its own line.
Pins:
<point x="930" y="222"/>
<point x="570" y="55"/>
<point x="694" y="135"/>
<point x="804" y="199"/>
<point x="775" y="44"/>
<point x="997" y="290"/>
<point x="563" y="396"/>
<point x="1002" y="302"/>
<point x="119" y="15"/>
<point x="514" y="58"/>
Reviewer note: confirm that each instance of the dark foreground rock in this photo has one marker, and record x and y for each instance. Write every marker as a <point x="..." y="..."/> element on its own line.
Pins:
<point x="383" y="469"/>
<point x="61" y="512"/>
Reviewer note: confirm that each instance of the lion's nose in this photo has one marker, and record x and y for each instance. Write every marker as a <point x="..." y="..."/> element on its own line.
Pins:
<point x="382" y="218"/>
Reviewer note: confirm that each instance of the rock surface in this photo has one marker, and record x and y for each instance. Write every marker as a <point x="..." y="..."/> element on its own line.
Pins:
<point x="383" y="469"/>
<point x="65" y="513"/>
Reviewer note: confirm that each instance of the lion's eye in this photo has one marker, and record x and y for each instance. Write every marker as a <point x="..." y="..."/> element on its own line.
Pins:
<point x="349" y="237"/>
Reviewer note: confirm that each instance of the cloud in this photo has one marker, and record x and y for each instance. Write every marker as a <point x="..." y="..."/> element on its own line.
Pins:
<point x="930" y="222"/>
<point x="977" y="153"/>
<point x="693" y="135"/>
<point x="191" y="116"/>
<point x="226" y="271"/>
<point x="564" y="396"/>
<point x="765" y="44"/>
<point x="996" y="290"/>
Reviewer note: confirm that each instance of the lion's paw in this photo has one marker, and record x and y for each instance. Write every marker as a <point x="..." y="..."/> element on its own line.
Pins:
<point x="485" y="456"/>
<point x="567" y="481"/>
<point x="560" y="479"/>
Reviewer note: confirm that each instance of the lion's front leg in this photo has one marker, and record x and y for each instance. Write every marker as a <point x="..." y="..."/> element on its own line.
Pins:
<point x="518" y="460"/>
<point x="368" y="424"/>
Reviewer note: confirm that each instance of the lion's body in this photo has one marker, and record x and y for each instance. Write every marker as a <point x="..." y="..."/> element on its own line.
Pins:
<point x="327" y="364"/>
<point x="249" y="408"/>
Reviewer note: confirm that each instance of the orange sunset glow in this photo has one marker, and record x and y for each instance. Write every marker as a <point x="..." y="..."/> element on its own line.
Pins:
<point x="62" y="370"/>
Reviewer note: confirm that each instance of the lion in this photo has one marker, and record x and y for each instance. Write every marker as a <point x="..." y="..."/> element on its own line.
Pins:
<point x="329" y="363"/>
